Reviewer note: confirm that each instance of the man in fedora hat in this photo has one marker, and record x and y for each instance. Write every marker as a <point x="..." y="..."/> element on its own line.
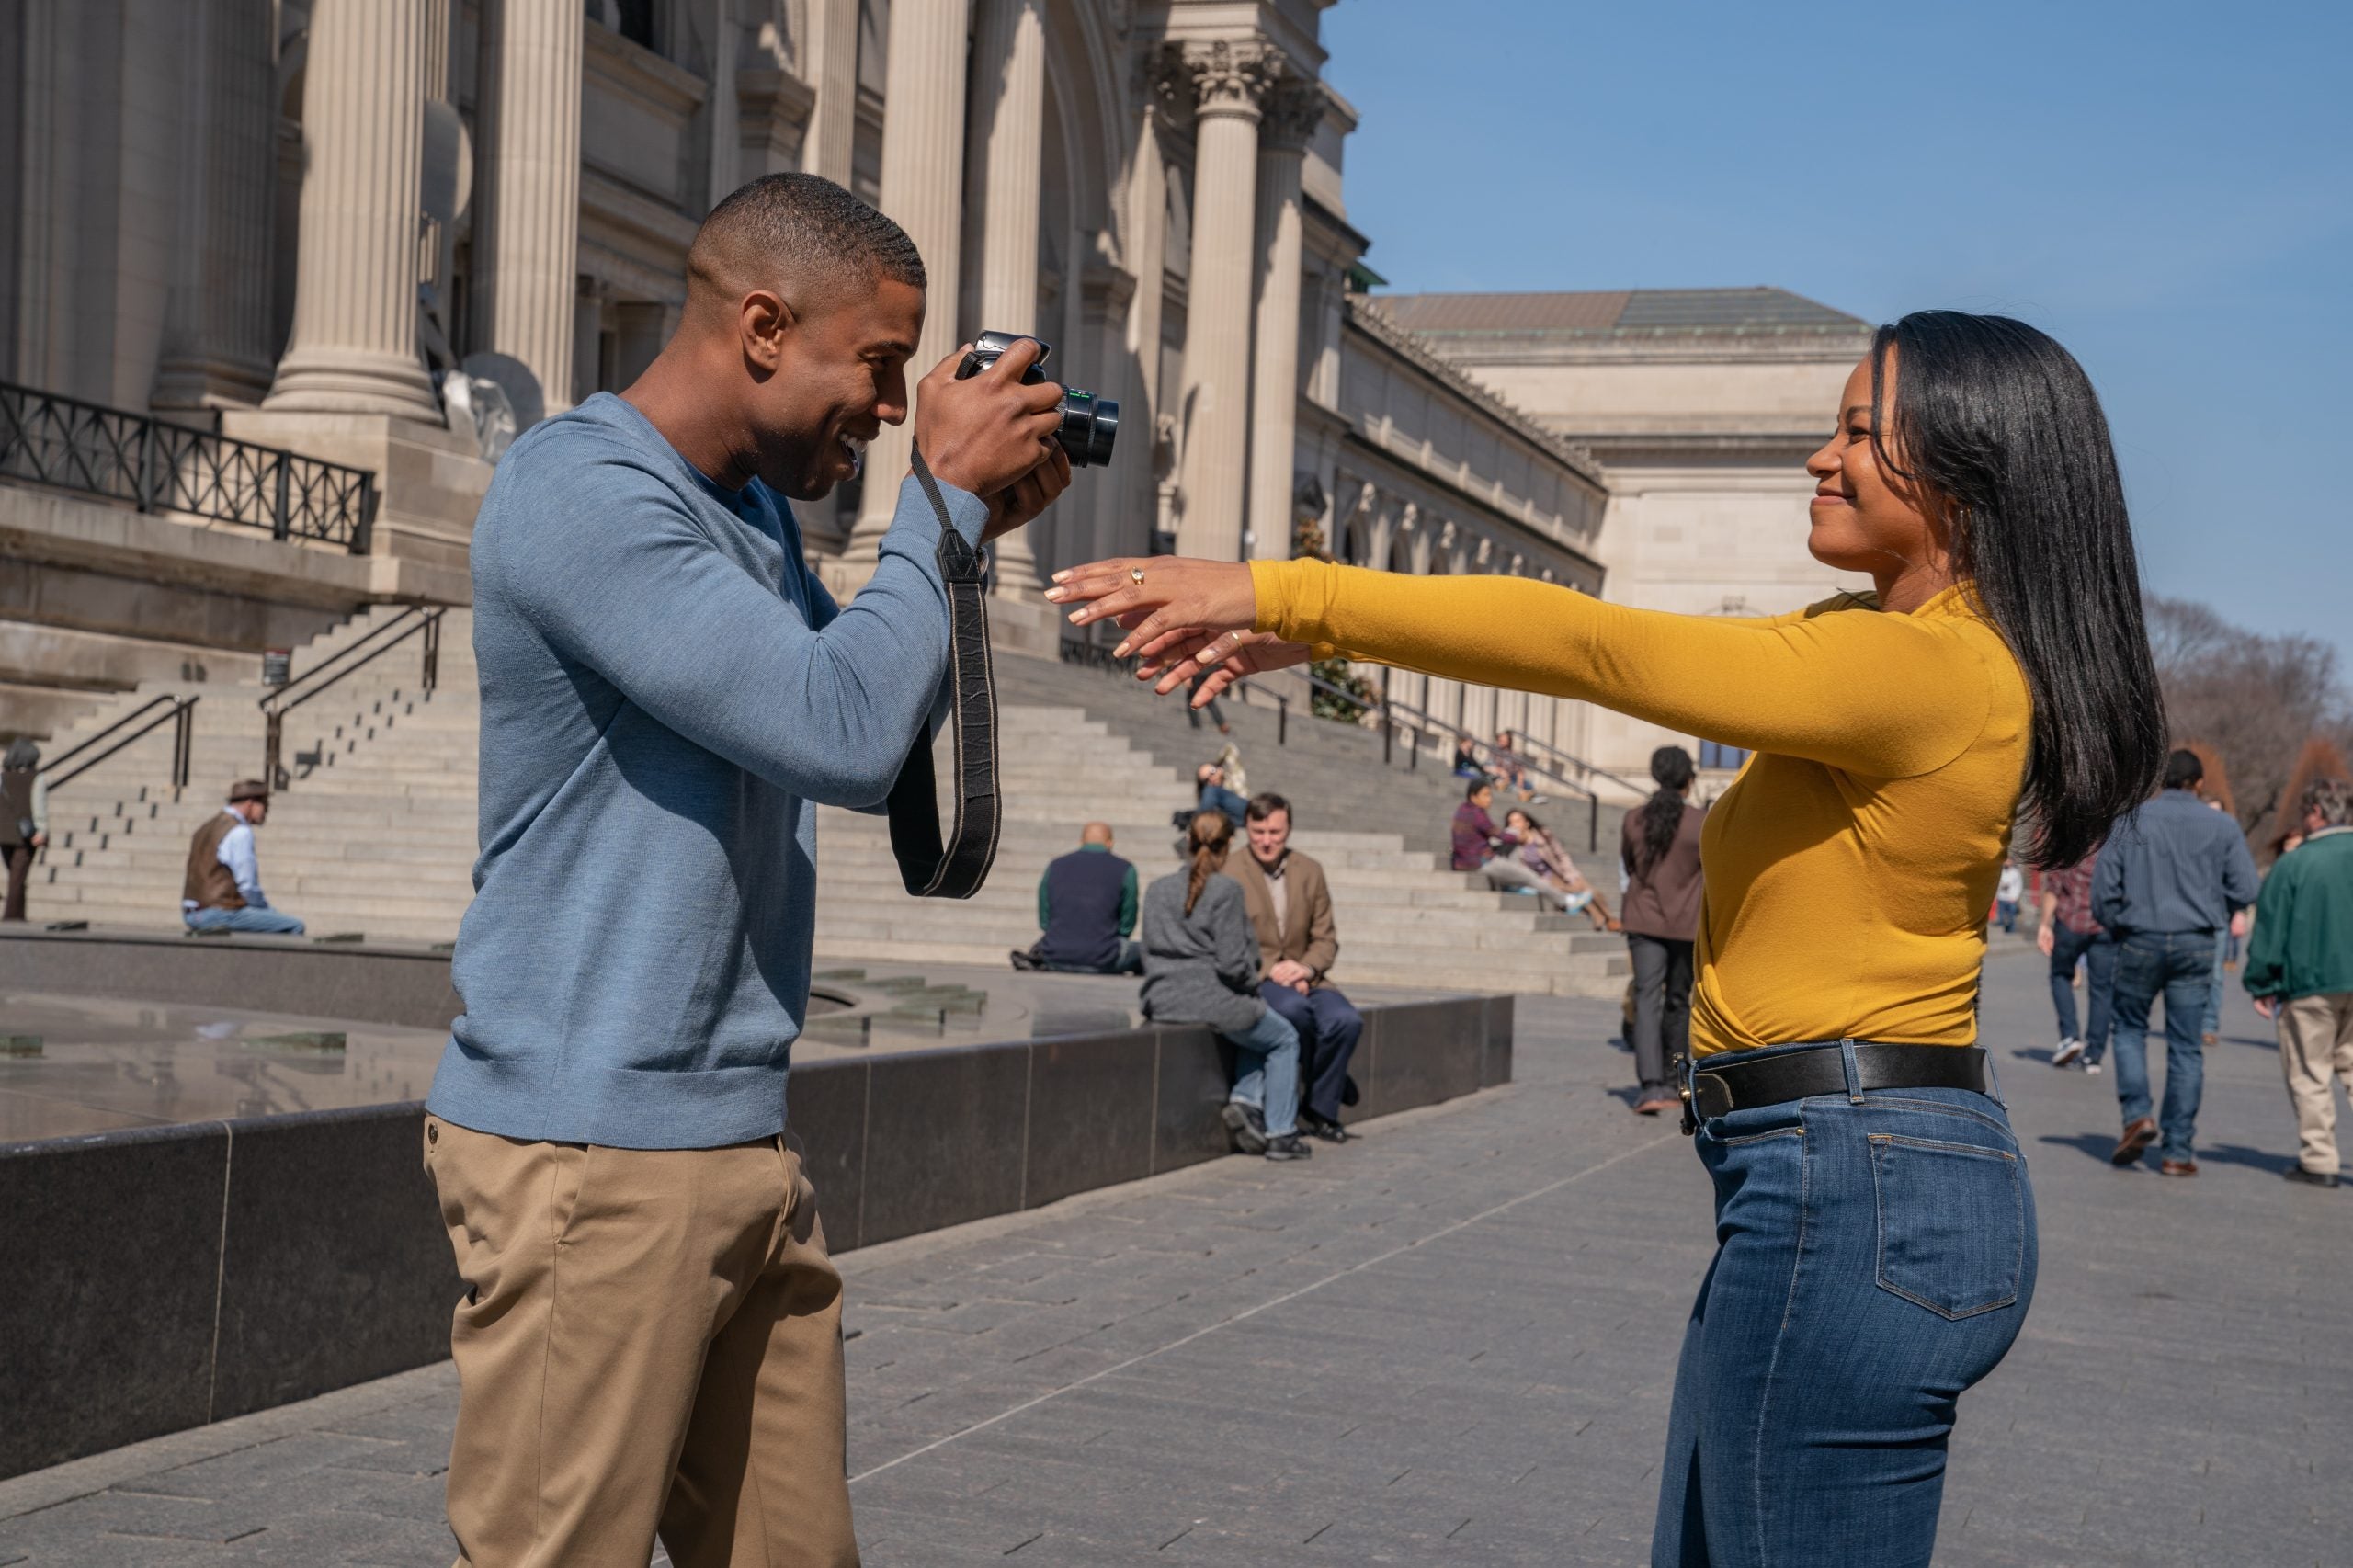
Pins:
<point x="223" y="888"/>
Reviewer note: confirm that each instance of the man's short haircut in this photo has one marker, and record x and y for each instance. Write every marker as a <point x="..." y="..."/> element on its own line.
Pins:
<point x="1266" y="803"/>
<point x="797" y="228"/>
<point x="2333" y="798"/>
<point x="1470" y="791"/>
<point x="2183" y="769"/>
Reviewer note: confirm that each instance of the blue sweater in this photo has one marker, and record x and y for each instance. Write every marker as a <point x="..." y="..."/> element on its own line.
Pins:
<point x="667" y="694"/>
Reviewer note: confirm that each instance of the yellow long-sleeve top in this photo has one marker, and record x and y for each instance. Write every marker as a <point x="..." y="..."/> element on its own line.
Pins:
<point x="1851" y="866"/>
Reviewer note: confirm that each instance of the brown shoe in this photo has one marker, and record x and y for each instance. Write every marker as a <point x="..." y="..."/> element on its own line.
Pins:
<point x="1655" y="1104"/>
<point x="2177" y="1167"/>
<point x="2138" y="1136"/>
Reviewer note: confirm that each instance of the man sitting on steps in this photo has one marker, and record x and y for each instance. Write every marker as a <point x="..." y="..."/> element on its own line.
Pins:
<point x="222" y="891"/>
<point x="1290" y="912"/>
<point x="1087" y="907"/>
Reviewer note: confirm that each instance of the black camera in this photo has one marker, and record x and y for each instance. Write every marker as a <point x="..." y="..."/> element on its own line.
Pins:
<point x="1089" y="423"/>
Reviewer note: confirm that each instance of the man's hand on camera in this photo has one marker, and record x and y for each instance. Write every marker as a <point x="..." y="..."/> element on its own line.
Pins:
<point x="994" y="436"/>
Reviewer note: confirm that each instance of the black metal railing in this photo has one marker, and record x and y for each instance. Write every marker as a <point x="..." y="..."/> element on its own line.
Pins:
<point x="160" y="467"/>
<point x="416" y="620"/>
<point x="179" y="713"/>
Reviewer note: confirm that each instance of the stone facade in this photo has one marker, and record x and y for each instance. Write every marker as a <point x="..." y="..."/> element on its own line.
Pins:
<point x="336" y="203"/>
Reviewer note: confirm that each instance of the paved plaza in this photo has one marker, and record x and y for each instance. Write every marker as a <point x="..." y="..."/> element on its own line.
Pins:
<point x="1452" y="1341"/>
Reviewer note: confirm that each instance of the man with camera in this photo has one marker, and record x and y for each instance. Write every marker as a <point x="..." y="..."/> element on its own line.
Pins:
<point x="650" y="1337"/>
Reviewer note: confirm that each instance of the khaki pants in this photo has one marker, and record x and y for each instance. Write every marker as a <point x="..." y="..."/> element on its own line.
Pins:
<point x="650" y="1342"/>
<point x="2315" y="1040"/>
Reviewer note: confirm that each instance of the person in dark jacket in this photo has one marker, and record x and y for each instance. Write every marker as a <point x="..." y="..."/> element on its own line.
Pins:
<point x="1087" y="907"/>
<point x="1659" y="846"/>
<point x="24" y="820"/>
<point x="2299" y="970"/>
<point x="1201" y="966"/>
<point x="2172" y="877"/>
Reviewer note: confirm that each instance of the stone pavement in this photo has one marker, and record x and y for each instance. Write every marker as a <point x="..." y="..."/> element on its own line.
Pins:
<point x="1452" y="1341"/>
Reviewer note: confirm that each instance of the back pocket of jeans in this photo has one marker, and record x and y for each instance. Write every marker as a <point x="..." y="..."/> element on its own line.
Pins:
<point x="1951" y="1224"/>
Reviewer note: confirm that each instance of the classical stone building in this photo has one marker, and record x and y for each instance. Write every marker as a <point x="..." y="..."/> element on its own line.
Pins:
<point x="284" y="228"/>
<point x="1700" y="406"/>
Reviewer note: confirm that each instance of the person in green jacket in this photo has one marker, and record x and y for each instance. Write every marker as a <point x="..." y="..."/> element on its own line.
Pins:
<point x="2299" y="970"/>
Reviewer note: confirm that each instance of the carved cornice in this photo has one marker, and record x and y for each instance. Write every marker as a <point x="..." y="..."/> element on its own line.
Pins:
<point x="1289" y="110"/>
<point x="1221" y="77"/>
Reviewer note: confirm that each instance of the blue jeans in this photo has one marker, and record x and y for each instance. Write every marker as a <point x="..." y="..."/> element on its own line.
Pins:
<point x="1875" y="1257"/>
<point x="2180" y="965"/>
<point x="2098" y="952"/>
<point x="264" y="922"/>
<point x="1329" y="1027"/>
<point x="2214" y="1024"/>
<point x="1218" y="798"/>
<point x="1269" y="1084"/>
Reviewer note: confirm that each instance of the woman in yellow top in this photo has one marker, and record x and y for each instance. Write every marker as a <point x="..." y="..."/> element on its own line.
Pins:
<point x="1876" y="1247"/>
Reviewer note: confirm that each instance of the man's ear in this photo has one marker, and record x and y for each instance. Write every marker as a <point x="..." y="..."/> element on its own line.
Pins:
<point x="766" y="320"/>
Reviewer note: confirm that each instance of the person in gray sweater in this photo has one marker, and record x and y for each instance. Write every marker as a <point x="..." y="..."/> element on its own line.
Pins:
<point x="1201" y="966"/>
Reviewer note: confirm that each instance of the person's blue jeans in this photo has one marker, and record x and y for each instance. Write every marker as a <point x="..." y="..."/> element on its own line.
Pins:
<point x="2179" y="966"/>
<point x="1875" y="1257"/>
<point x="1329" y="1027"/>
<point x="262" y="922"/>
<point x="2096" y="951"/>
<point x="2213" y="1021"/>
<point x="1269" y="1083"/>
<point x="1130" y="962"/>
<point x="1218" y="798"/>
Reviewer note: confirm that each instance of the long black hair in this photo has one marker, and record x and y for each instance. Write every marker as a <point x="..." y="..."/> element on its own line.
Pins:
<point x="2000" y="428"/>
<point x="1661" y="816"/>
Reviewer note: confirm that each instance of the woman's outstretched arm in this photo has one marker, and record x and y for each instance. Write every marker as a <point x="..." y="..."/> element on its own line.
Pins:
<point x="1886" y="696"/>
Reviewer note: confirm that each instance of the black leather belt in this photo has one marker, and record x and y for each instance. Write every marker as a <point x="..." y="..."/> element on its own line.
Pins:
<point x="927" y="868"/>
<point x="1723" y="1085"/>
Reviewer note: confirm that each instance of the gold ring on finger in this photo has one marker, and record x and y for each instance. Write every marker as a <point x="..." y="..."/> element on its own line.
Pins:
<point x="1135" y="575"/>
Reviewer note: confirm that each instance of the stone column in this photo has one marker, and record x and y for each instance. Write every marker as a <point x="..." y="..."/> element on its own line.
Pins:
<point x="216" y="325"/>
<point x="353" y="349"/>
<point x="1003" y="172"/>
<point x="830" y="65"/>
<point x="922" y="192"/>
<point x="1292" y="110"/>
<point x="527" y="220"/>
<point x="1228" y="81"/>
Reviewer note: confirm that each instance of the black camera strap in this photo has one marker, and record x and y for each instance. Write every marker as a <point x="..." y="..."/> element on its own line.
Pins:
<point x="958" y="869"/>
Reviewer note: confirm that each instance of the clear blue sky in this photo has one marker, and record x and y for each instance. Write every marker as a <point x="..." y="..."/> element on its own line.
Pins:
<point x="2163" y="187"/>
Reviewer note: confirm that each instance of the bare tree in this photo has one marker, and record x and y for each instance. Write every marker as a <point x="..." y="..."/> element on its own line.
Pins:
<point x="2254" y="699"/>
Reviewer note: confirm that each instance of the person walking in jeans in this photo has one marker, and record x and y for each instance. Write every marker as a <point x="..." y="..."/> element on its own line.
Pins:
<point x="1659" y="849"/>
<point x="2172" y="877"/>
<point x="1201" y="966"/>
<point x="2068" y="935"/>
<point x="2299" y="970"/>
<point x="1876" y="1225"/>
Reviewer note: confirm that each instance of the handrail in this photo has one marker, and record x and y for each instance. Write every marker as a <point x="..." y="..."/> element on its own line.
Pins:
<point x="277" y="704"/>
<point x="1580" y="764"/>
<point x="181" y="716"/>
<point x="160" y="466"/>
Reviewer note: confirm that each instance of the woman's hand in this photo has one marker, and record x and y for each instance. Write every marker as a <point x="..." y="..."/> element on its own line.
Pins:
<point x="1181" y="615"/>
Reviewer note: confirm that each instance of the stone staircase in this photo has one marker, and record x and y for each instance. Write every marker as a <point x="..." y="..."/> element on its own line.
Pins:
<point x="376" y="835"/>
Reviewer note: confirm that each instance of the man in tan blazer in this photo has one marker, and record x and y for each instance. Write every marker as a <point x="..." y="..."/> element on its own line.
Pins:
<point x="1291" y="910"/>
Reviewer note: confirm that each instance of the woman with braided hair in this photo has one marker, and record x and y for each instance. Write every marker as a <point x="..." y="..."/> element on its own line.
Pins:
<point x="1660" y="850"/>
<point x="1201" y="966"/>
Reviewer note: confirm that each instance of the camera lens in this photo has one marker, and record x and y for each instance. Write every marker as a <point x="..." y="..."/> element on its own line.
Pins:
<point x="1090" y="425"/>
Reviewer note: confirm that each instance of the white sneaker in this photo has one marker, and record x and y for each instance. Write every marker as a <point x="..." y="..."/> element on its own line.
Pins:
<point x="2068" y="1050"/>
<point x="2093" y="1068"/>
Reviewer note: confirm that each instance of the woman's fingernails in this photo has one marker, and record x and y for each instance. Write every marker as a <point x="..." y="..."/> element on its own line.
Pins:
<point x="1063" y="573"/>
<point x="1054" y="595"/>
<point x="1120" y="651"/>
<point x="1076" y="616"/>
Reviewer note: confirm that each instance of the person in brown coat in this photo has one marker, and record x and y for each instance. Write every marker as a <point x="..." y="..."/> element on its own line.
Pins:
<point x="1291" y="911"/>
<point x="1661" y="917"/>
<point x="24" y="820"/>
